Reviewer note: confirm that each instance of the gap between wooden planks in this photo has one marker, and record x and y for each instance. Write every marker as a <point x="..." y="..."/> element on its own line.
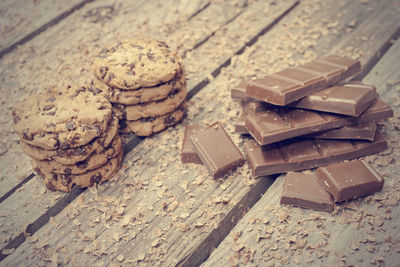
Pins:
<point x="31" y="20"/>
<point x="172" y="233"/>
<point x="45" y="217"/>
<point x="362" y="231"/>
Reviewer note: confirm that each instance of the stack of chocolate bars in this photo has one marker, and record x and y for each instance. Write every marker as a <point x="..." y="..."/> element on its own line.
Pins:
<point x="305" y="117"/>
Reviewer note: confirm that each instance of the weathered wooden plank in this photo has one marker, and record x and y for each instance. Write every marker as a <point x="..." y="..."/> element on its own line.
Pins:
<point x="360" y="232"/>
<point x="138" y="238"/>
<point x="18" y="220"/>
<point x="266" y="20"/>
<point x="15" y="164"/>
<point x="23" y="20"/>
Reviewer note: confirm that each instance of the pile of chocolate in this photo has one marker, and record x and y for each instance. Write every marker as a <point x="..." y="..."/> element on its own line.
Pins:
<point x="306" y="117"/>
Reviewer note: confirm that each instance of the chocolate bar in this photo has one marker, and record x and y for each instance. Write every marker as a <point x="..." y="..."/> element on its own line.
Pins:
<point x="365" y="131"/>
<point x="216" y="150"/>
<point x="349" y="99"/>
<point x="303" y="190"/>
<point x="299" y="154"/>
<point x="275" y="124"/>
<point x="188" y="154"/>
<point x="240" y="124"/>
<point x="239" y="93"/>
<point x="292" y="84"/>
<point x="349" y="180"/>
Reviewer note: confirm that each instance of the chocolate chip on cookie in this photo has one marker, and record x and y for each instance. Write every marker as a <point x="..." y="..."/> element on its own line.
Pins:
<point x="64" y="182"/>
<point x="150" y="125"/>
<point x="133" y="64"/>
<point x="66" y="118"/>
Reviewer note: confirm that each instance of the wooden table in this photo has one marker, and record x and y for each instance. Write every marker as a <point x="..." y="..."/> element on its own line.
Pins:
<point x="158" y="211"/>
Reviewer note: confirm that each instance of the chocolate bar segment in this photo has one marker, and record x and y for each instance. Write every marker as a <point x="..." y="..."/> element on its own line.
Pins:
<point x="275" y="124"/>
<point x="303" y="190"/>
<point x="239" y="92"/>
<point x="299" y="154"/>
<point x="240" y="125"/>
<point x="216" y="150"/>
<point x="292" y="84"/>
<point x="365" y="131"/>
<point x="347" y="180"/>
<point x="248" y="107"/>
<point x="349" y="99"/>
<point x="188" y="154"/>
<point x="333" y="68"/>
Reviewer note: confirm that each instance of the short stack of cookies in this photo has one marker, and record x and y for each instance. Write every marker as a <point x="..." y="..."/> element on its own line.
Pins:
<point x="146" y="84"/>
<point x="71" y="136"/>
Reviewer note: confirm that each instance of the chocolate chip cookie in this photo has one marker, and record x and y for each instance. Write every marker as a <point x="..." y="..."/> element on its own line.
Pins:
<point x="156" y="108"/>
<point x="64" y="119"/>
<point x="146" y="94"/>
<point x="133" y="64"/>
<point x="73" y="155"/>
<point x="64" y="182"/>
<point x="150" y="125"/>
<point x="95" y="160"/>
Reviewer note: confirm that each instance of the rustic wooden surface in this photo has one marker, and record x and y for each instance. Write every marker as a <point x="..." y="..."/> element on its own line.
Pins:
<point x="19" y="19"/>
<point x="159" y="211"/>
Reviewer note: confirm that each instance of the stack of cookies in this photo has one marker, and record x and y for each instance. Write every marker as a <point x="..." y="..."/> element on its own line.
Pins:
<point x="145" y="83"/>
<point x="71" y="136"/>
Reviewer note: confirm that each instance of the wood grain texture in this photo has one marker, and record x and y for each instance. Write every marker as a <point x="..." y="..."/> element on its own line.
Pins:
<point x="21" y="18"/>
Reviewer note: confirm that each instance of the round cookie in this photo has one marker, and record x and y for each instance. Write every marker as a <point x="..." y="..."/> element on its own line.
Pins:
<point x="148" y="126"/>
<point x="155" y="108"/>
<point x="94" y="161"/>
<point x="137" y="63"/>
<point x="62" y="119"/>
<point x="74" y="155"/>
<point x="146" y="94"/>
<point x="64" y="182"/>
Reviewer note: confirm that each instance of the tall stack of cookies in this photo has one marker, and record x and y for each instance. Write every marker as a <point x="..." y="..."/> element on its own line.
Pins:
<point x="71" y="136"/>
<point x="145" y="82"/>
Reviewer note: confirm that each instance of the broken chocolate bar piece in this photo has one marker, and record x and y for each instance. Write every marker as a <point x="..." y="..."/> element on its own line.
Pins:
<point x="349" y="99"/>
<point x="255" y="107"/>
<point x="299" y="154"/>
<point x="303" y="190"/>
<point x="239" y="93"/>
<point x="347" y="180"/>
<point x="240" y="125"/>
<point x="292" y="84"/>
<point x="188" y="154"/>
<point x="282" y="123"/>
<point x="216" y="150"/>
<point x="364" y="131"/>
